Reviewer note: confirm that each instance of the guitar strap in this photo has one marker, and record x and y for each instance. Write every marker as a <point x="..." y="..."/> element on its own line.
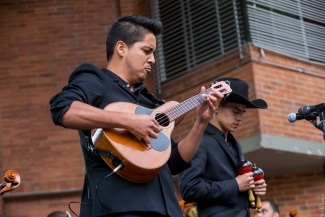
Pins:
<point x="153" y="98"/>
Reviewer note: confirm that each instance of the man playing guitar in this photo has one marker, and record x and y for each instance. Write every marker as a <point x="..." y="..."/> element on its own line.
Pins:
<point x="130" y="47"/>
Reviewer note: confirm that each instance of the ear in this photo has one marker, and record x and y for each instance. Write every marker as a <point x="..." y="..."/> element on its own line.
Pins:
<point x="214" y="118"/>
<point x="276" y="214"/>
<point x="217" y="110"/>
<point x="120" y="48"/>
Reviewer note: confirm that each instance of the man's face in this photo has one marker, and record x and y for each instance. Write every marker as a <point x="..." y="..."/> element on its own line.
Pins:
<point x="229" y="117"/>
<point x="267" y="211"/>
<point x="139" y="58"/>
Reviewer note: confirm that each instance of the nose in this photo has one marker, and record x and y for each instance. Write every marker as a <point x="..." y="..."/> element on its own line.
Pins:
<point x="259" y="214"/>
<point x="151" y="59"/>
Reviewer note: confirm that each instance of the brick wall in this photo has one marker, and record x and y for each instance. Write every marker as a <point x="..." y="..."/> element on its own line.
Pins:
<point x="41" y="205"/>
<point x="189" y="84"/>
<point x="300" y="190"/>
<point x="286" y="84"/>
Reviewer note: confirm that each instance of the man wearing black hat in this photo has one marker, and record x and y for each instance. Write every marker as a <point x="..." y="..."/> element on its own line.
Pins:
<point x="212" y="182"/>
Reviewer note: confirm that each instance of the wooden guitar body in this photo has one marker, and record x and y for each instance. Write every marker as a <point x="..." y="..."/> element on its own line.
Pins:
<point x="139" y="163"/>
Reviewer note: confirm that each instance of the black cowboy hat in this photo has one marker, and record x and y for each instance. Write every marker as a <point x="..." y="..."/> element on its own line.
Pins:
<point x="239" y="93"/>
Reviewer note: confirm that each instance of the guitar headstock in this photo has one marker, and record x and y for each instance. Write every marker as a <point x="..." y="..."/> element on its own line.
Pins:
<point x="223" y="87"/>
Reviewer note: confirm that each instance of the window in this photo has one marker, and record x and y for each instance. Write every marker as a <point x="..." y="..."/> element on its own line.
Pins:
<point x="294" y="27"/>
<point x="195" y="31"/>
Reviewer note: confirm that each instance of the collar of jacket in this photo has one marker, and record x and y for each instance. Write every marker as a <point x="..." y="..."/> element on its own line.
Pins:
<point x="121" y="82"/>
<point x="211" y="129"/>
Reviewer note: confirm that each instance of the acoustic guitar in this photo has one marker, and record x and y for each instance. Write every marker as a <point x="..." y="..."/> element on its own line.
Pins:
<point x="128" y="156"/>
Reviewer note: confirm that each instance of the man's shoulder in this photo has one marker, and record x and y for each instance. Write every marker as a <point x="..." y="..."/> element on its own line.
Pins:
<point x="87" y="66"/>
<point x="86" y="69"/>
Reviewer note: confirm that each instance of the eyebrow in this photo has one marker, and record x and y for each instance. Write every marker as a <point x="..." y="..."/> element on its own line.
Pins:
<point x="240" y="109"/>
<point x="150" y="48"/>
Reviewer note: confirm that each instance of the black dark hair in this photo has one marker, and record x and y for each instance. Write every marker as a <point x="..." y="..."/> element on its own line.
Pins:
<point x="273" y="205"/>
<point x="130" y="29"/>
<point x="223" y="103"/>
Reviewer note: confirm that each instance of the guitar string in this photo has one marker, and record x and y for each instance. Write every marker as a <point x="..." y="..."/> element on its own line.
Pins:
<point x="172" y="113"/>
<point x="186" y="106"/>
<point x="199" y="98"/>
<point x="177" y="110"/>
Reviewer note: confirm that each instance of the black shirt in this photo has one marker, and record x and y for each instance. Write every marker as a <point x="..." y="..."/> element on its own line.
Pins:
<point x="114" y="194"/>
<point x="210" y="181"/>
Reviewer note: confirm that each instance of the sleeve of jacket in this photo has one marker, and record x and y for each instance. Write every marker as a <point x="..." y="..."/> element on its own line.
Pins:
<point x="176" y="163"/>
<point x="85" y="85"/>
<point x="195" y="187"/>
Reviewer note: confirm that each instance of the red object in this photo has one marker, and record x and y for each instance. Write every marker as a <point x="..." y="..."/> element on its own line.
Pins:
<point x="244" y="166"/>
<point x="258" y="173"/>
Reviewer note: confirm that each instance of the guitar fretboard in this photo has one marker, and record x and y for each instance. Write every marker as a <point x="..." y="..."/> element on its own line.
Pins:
<point x="186" y="106"/>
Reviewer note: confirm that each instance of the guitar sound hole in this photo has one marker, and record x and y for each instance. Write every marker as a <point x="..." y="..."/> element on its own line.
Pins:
<point x="162" y="119"/>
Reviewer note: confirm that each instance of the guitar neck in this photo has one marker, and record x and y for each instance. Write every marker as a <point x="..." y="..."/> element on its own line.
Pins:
<point x="186" y="106"/>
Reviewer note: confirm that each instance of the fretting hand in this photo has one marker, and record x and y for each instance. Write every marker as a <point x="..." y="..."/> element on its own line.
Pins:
<point x="209" y="107"/>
